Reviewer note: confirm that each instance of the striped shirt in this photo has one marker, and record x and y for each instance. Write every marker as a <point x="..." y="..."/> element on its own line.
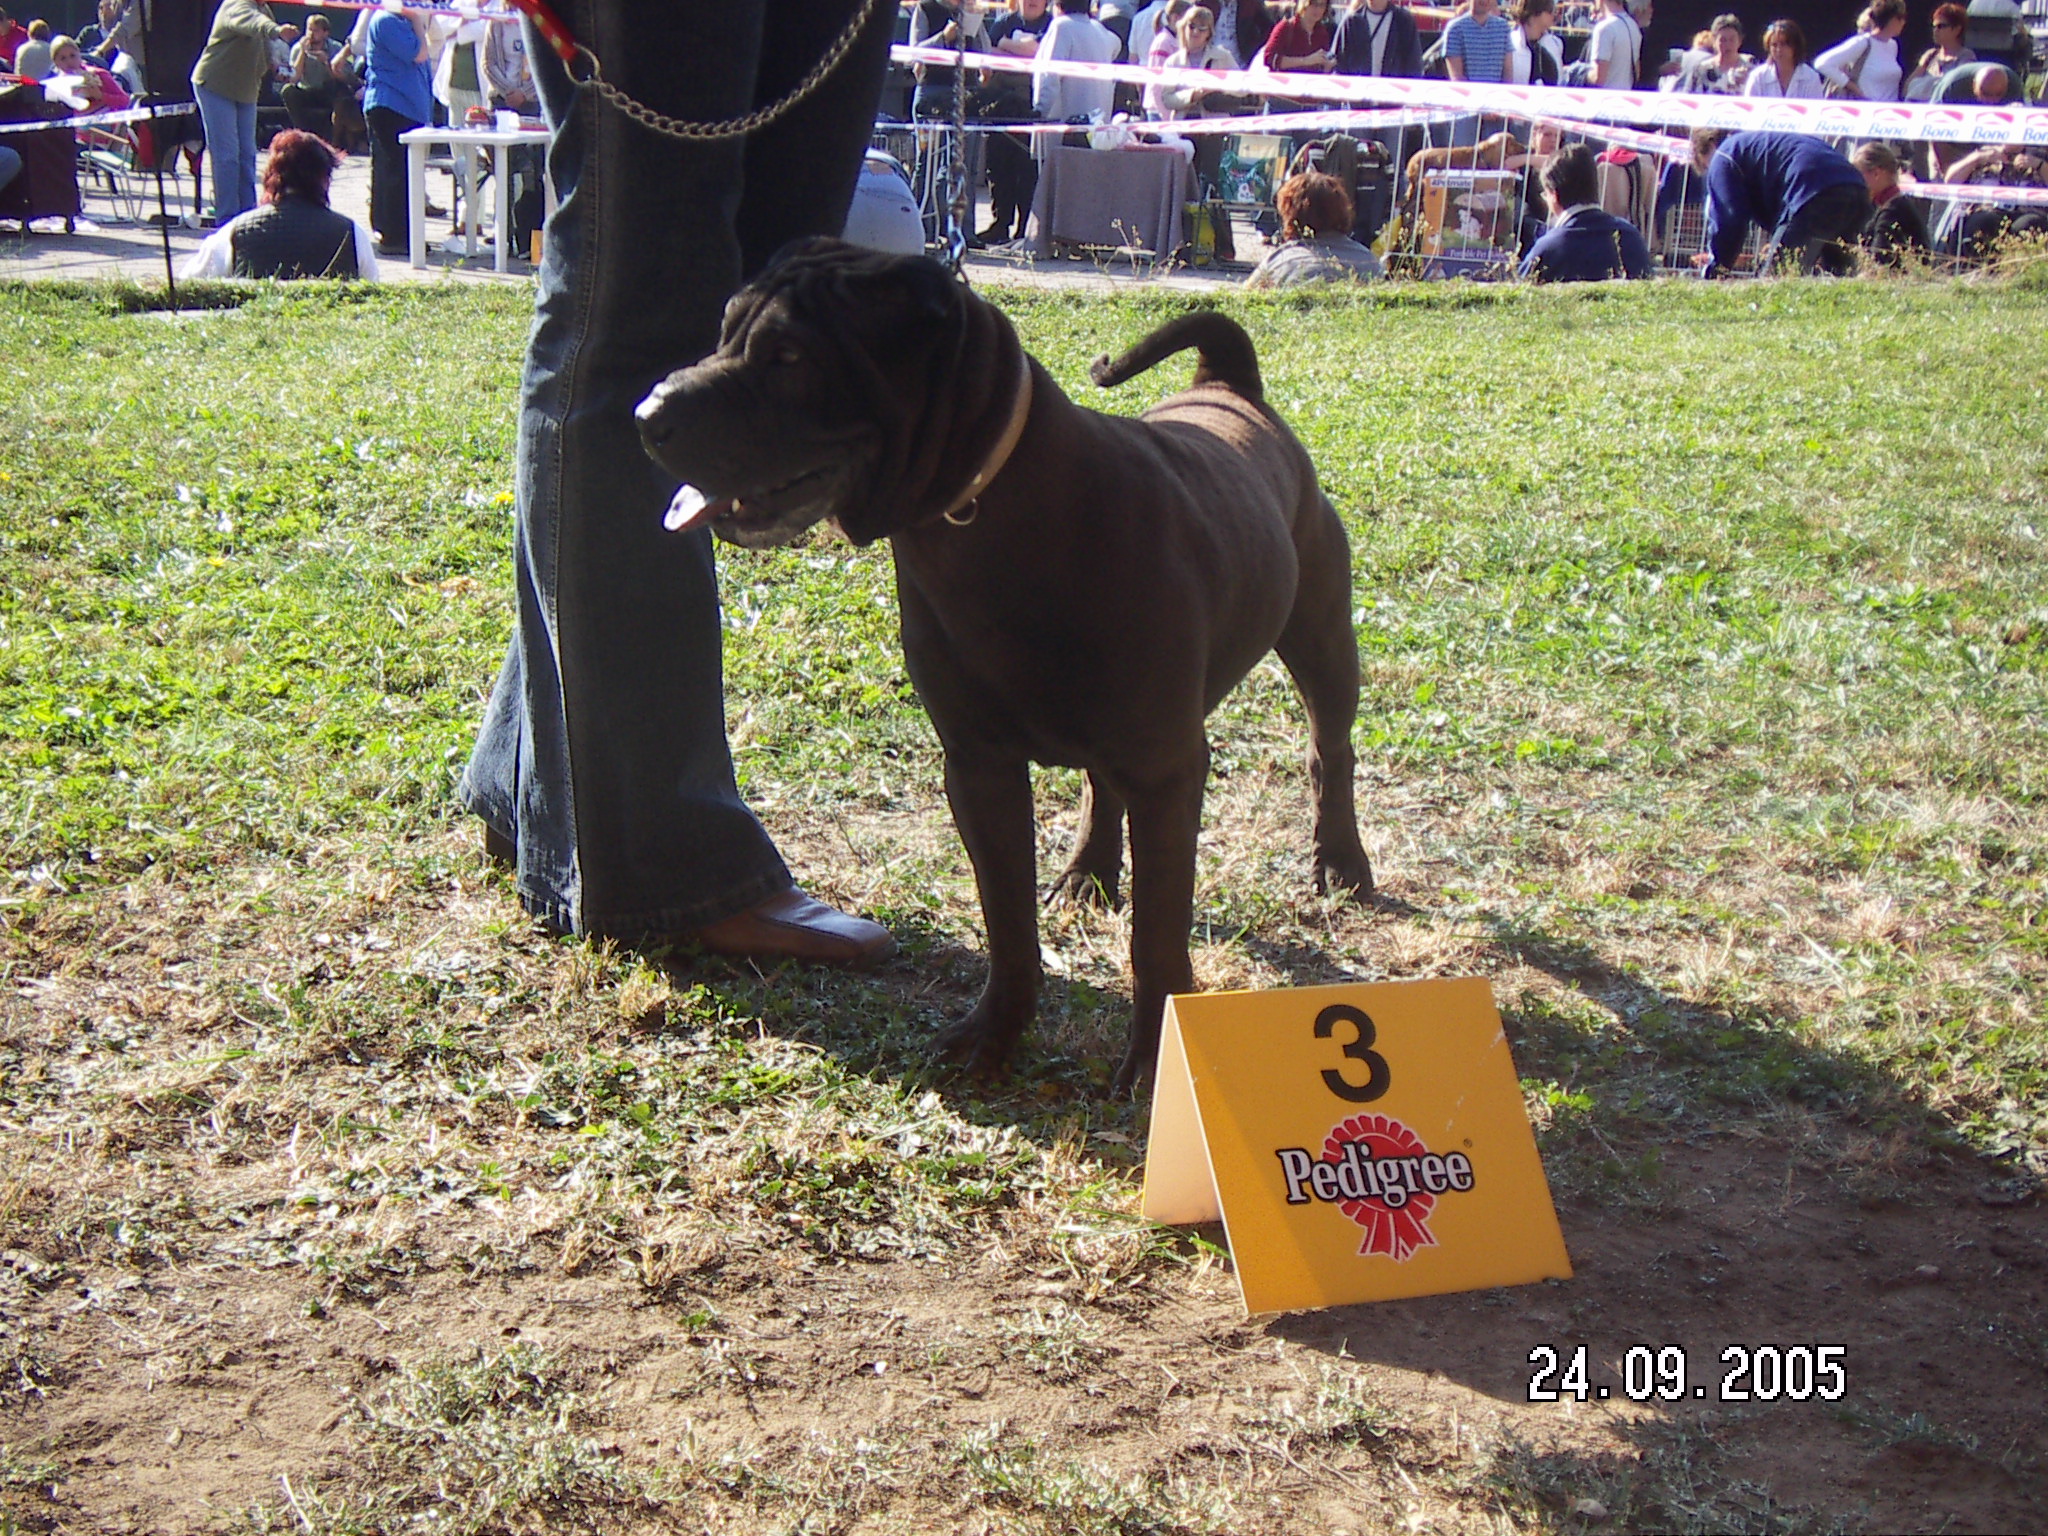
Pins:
<point x="1483" y="45"/>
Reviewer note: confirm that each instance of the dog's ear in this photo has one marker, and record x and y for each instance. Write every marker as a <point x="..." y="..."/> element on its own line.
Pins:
<point x="929" y="290"/>
<point x="804" y="246"/>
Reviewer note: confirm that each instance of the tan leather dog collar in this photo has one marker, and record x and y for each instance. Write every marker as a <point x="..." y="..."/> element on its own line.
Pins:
<point x="1020" y="412"/>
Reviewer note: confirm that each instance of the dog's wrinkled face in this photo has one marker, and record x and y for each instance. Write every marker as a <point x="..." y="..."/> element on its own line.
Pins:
<point x="819" y="402"/>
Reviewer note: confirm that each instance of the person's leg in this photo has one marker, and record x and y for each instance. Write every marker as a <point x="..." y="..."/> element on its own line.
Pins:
<point x="245" y="156"/>
<point x="310" y="110"/>
<point x="10" y="165"/>
<point x="1458" y="133"/>
<point x="217" y="117"/>
<point x="1008" y="161"/>
<point x="390" y="215"/>
<point x="1818" y="236"/>
<point x="602" y="758"/>
<point x="1982" y="229"/>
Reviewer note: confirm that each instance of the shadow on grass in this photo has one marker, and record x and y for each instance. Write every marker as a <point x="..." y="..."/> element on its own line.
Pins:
<point x="1619" y="1069"/>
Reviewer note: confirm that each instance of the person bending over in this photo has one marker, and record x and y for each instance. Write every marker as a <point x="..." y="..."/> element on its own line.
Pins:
<point x="1981" y="84"/>
<point x="1315" y="227"/>
<point x="1585" y="243"/>
<point x="294" y="233"/>
<point x="1799" y="188"/>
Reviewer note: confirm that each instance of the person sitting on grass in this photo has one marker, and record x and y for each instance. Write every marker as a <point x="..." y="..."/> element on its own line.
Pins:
<point x="1585" y="243"/>
<point x="1315" y="228"/>
<point x="294" y="233"/>
<point x="1896" y="233"/>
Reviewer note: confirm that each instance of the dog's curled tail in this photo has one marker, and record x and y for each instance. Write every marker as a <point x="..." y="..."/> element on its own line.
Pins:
<point x="1227" y="355"/>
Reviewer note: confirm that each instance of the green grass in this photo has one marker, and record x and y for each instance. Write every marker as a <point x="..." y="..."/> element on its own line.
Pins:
<point x="1705" y="632"/>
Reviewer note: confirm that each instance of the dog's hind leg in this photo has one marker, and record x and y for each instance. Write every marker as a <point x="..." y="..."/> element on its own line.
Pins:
<point x="1320" y="649"/>
<point x="991" y="800"/>
<point x="1091" y="875"/>
<point x="1166" y="815"/>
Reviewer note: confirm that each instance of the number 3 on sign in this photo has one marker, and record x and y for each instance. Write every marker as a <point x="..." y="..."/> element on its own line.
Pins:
<point x="1366" y="1033"/>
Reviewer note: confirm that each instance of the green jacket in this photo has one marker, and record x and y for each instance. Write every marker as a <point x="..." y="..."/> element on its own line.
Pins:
<point x="237" y="56"/>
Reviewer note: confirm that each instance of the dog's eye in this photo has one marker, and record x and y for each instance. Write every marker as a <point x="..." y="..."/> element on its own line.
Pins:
<point x="788" y="355"/>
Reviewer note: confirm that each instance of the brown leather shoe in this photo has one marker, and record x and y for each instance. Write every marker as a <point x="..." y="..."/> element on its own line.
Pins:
<point x="499" y="850"/>
<point x="794" y="926"/>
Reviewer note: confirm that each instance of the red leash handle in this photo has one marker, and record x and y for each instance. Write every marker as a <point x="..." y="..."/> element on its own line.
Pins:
<point x="550" y="27"/>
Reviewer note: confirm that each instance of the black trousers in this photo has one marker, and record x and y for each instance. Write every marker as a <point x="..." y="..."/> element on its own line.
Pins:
<point x="1821" y="234"/>
<point x="311" y="108"/>
<point x="1012" y="181"/>
<point x="390" y="214"/>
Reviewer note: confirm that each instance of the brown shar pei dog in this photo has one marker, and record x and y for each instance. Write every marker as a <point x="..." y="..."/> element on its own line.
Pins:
<point x="1076" y="589"/>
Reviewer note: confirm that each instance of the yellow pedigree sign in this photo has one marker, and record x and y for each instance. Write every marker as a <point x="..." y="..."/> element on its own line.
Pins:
<point x="1359" y="1143"/>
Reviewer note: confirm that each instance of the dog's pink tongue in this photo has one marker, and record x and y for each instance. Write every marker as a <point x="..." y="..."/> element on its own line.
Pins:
<point x="691" y="507"/>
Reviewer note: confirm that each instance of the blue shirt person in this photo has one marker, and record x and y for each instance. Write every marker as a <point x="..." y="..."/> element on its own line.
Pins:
<point x="1585" y="243"/>
<point x="1798" y="187"/>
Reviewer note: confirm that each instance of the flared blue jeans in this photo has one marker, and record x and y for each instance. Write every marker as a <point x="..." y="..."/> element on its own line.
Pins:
<point x="602" y="754"/>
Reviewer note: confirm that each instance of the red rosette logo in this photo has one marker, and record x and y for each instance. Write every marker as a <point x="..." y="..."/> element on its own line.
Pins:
<point x="1395" y="1230"/>
<point x="1380" y="1175"/>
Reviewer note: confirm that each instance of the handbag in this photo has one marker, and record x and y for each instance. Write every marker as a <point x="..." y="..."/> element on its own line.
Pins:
<point x="1851" y="89"/>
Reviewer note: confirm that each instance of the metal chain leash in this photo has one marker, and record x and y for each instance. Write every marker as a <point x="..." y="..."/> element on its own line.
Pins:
<point x="959" y="195"/>
<point x="592" y="79"/>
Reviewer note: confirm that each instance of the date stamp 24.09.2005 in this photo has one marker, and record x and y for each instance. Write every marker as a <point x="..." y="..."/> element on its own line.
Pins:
<point x="1743" y="1373"/>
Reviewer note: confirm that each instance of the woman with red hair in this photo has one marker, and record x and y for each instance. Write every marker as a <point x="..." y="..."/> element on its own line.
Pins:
<point x="1947" y="53"/>
<point x="294" y="233"/>
<point x="1315" y="225"/>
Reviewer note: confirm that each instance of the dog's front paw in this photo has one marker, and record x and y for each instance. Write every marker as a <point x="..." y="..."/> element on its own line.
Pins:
<point x="1084" y="888"/>
<point x="1136" y="1069"/>
<point x="979" y="1044"/>
<point x="1349" y="873"/>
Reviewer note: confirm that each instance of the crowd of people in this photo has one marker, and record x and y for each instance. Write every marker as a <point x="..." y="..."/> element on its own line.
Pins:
<point x="395" y="69"/>
<point x="1976" y="55"/>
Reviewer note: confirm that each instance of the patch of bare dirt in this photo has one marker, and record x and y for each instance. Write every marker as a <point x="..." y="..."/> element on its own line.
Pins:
<point x="169" y="1393"/>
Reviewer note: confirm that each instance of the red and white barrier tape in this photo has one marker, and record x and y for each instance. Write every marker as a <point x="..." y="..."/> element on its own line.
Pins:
<point x="103" y="119"/>
<point x="1973" y="192"/>
<point x="2018" y="124"/>
<point x="1346" y="120"/>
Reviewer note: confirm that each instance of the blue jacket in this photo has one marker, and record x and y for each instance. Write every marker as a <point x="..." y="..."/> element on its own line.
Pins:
<point x="1353" y="45"/>
<point x="1589" y="246"/>
<point x="1766" y="177"/>
<point x="391" y="78"/>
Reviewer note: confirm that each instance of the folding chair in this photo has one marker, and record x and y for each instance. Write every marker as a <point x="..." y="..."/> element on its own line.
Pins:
<point x="161" y="143"/>
<point x="110" y="157"/>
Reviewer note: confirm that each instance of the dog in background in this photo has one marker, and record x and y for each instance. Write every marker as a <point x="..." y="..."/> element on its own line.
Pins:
<point x="1076" y="589"/>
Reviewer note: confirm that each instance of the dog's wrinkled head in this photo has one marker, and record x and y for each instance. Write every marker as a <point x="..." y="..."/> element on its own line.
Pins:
<point x="847" y="385"/>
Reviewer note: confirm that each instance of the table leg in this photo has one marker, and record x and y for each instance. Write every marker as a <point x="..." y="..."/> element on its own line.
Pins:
<point x="501" y="157"/>
<point x="472" y="226"/>
<point x="416" y="198"/>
